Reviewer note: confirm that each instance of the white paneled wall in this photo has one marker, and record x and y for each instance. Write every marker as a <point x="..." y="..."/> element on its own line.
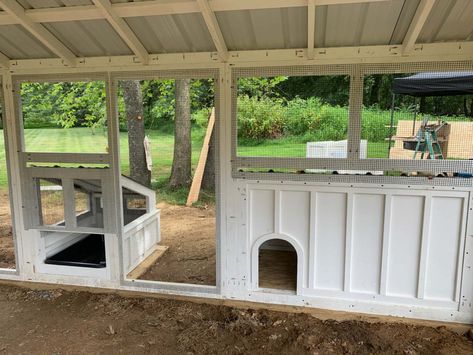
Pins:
<point x="388" y="245"/>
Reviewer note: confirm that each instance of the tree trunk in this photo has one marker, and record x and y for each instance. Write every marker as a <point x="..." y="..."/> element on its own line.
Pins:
<point x="136" y="132"/>
<point x="181" y="163"/>
<point x="208" y="180"/>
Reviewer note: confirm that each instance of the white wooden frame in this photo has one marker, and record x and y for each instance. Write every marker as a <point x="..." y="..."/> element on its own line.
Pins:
<point x="5" y="86"/>
<point x="161" y="285"/>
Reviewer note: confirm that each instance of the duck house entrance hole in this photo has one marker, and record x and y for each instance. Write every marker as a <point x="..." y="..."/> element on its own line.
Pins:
<point x="277" y="265"/>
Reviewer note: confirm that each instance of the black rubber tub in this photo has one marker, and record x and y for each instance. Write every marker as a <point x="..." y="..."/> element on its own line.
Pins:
<point x="88" y="252"/>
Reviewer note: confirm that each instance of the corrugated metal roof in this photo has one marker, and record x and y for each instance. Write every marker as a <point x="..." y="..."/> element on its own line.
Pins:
<point x="90" y="38"/>
<point x="358" y="24"/>
<point x="172" y="33"/>
<point x="18" y="43"/>
<point x="448" y="21"/>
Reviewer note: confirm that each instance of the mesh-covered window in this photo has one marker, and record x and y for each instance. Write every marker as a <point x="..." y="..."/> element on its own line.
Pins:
<point x="64" y="117"/>
<point x="293" y="116"/>
<point x="418" y="116"/>
<point x="51" y="202"/>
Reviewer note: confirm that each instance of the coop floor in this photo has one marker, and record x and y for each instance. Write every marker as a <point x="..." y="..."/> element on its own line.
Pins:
<point x="189" y="234"/>
<point x="278" y="269"/>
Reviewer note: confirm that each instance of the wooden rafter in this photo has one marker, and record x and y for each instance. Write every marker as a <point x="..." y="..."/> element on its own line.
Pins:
<point x="123" y="30"/>
<point x="15" y="10"/>
<point x="159" y="7"/>
<point x="214" y="29"/>
<point x="422" y="13"/>
<point x="311" y="28"/>
<point x="4" y="60"/>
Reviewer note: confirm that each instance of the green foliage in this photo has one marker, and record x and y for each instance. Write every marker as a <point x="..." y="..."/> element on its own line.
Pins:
<point x="64" y="104"/>
<point x="273" y="118"/>
<point x="260" y="118"/>
<point x="260" y="86"/>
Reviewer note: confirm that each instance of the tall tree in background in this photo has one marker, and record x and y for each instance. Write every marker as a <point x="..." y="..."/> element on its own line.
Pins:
<point x="208" y="180"/>
<point x="181" y="164"/>
<point x="136" y="131"/>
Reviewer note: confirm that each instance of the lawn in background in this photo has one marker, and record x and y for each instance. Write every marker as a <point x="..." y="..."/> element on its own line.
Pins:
<point x="82" y="140"/>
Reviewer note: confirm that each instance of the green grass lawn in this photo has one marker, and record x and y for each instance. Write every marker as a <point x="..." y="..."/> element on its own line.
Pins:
<point x="83" y="140"/>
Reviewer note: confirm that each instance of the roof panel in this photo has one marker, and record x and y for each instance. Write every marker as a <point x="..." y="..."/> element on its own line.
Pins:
<point x="405" y="18"/>
<point x="363" y="24"/>
<point x="89" y="38"/>
<point x="172" y="33"/>
<point x="379" y="22"/>
<point x="44" y="4"/>
<point x="17" y="43"/>
<point x="264" y="29"/>
<point x="448" y="21"/>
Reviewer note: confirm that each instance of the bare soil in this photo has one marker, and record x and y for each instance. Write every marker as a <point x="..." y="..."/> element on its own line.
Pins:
<point x="7" y="254"/>
<point x="189" y="232"/>
<point x="65" y="322"/>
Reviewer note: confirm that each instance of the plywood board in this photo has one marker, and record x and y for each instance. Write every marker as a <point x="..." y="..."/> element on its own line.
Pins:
<point x="458" y="146"/>
<point x="199" y="172"/>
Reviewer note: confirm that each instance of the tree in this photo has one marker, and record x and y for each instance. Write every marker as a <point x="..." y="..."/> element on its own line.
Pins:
<point x="136" y="131"/>
<point x="181" y="164"/>
<point x="208" y="180"/>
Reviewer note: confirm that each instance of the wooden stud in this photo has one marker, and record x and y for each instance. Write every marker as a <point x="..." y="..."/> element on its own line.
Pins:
<point x="311" y="29"/>
<point x="214" y="28"/>
<point x="421" y="15"/>
<point x="123" y="30"/>
<point x="199" y="172"/>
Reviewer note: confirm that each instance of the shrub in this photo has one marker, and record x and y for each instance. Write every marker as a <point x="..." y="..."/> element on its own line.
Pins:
<point x="260" y="118"/>
<point x="302" y="116"/>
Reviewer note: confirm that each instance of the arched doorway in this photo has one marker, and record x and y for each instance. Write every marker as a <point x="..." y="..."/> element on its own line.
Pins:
<point x="277" y="265"/>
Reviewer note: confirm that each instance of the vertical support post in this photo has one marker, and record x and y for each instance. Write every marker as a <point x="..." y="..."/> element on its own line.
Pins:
<point x="113" y="242"/>
<point x="12" y="149"/>
<point x="355" y="114"/>
<point x="227" y="216"/>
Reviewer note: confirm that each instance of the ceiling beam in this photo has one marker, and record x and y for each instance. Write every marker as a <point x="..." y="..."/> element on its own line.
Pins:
<point x="4" y="60"/>
<point x="159" y="7"/>
<point x="214" y="29"/>
<point x="420" y="17"/>
<point x="311" y="28"/>
<point x="15" y="10"/>
<point x="123" y="30"/>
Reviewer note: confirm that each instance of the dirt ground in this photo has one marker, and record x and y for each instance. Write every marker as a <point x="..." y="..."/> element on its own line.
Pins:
<point x="7" y="254"/>
<point x="64" y="322"/>
<point x="189" y="233"/>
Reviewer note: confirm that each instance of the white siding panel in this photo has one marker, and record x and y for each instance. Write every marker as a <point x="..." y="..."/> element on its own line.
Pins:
<point x="261" y="212"/>
<point x="295" y="215"/>
<point x="367" y="242"/>
<point x="404" y="245"/>
<point x="330" y="230"/>
<point x="444" y="241"/>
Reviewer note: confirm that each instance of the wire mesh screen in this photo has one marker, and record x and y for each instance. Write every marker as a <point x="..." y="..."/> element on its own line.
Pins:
<point x="418" y="116"/>
<point x="64" y="116"/>
<point x="178" y="112"/>
<point x="357" y="121"/>
<point x="293" y="116"/>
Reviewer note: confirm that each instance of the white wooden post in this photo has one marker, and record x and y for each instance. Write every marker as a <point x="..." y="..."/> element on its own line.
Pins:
<point x="12" y="147"/>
